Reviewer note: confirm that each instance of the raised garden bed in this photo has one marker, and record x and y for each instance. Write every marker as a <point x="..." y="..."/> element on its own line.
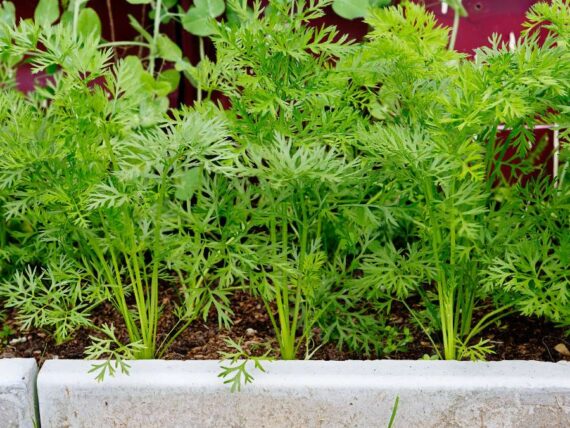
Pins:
<point x="323" y="198"/>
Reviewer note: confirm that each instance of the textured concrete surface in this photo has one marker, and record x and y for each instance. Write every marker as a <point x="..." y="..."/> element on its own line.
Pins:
<point x="17" y="392"/>
<point x="309" y="394"/>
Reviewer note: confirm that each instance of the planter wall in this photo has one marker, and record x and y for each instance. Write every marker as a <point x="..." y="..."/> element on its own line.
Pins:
<point x="18" y="393"/>
<point x="309" y="394"/>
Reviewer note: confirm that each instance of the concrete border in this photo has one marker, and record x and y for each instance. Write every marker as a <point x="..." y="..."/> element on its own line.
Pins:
<point x="309" y="394"/>
<point x="18" y="392"/>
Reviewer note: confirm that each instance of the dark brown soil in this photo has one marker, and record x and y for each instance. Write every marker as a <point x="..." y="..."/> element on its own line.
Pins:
<point x="516" y="338"/>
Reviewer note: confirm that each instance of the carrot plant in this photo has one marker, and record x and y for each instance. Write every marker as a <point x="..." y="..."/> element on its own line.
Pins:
<point x="436" y="143"/>
<point x="293" y="172"/>
<point x="294" y="116"/>
<point x="93" y="175"/>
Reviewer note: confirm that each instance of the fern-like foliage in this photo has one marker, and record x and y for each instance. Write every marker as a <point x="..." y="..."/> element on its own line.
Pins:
<point x="94" y="172"/>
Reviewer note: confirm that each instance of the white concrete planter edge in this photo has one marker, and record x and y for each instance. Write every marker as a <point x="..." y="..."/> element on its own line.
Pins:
<point x="18" y="392"/>
<point x="309" y="394"/>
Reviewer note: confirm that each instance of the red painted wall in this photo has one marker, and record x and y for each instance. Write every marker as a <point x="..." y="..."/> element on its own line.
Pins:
<point x="485" y="17"/>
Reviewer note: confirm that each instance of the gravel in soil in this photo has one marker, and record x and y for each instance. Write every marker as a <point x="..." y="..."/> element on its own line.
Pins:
<point x="515" y="338"/>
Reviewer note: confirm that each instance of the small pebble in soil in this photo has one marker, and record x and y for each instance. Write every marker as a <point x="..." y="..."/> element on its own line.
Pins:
<point x="562" y="349"/>
<point x="18" y="340"/>
<point x="251" y="332"/>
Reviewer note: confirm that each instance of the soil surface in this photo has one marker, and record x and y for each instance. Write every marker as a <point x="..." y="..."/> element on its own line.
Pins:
<point x="515" y="338"/>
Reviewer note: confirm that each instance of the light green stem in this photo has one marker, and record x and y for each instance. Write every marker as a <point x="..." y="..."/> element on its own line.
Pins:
<point x="455" y="29"/>
<point x="155" y="35"/>
<point x="202" y="55"/>
<point x="125" y="43"/>
<point x="76" y="7"/>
